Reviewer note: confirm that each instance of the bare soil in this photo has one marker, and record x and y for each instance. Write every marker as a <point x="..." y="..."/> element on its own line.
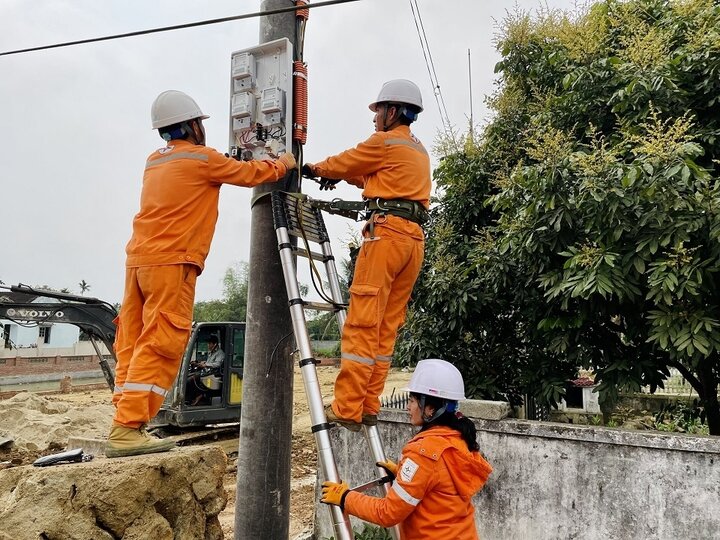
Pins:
<point x="41" y="425"/>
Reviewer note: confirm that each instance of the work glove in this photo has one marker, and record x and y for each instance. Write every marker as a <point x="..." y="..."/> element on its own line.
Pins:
<point x="327" y="183"/>
<point x="307" y="170"/>
<point x="288" y="160"/>
<point x="334" y="493"/>
<point x="389" y="466"/>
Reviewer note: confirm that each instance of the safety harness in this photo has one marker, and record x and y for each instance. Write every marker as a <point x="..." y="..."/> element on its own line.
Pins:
<point x="406" y="209"/>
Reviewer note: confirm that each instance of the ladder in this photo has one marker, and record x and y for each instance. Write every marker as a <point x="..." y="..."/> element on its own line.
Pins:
<point x="295" y="214"/>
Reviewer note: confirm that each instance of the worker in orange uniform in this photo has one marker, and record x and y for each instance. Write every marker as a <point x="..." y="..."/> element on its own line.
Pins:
<point x="440" y="470"/>
<point x="393" y="169"/>
<point x="171" y="238"/>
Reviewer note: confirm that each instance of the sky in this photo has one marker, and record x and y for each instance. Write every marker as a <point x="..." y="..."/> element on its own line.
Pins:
<point x="76" y="121"/>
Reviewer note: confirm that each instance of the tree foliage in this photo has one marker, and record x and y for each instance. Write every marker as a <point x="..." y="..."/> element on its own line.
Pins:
<point x="84" y="286"/>
<point x="233" y="305"/>
<point x="582" y="229"/>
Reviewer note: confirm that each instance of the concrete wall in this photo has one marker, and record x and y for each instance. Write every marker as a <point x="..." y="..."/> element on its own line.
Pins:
<point x="557" y="481"/>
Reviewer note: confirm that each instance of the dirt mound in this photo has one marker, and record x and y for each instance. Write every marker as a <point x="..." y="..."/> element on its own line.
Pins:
<point x="177" y="494"/>
<point x="38" y="424"/>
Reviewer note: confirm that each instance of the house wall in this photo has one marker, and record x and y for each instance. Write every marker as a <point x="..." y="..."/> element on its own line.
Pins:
<point x="61" y="335"/>
<point x="553" y="481"/>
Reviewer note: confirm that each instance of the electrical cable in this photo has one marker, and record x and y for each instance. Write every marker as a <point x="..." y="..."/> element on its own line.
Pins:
<point x="425" y="46"/>
<point x="297" y="8"/>
<point x="313" y="268"/>
<point x="272" y="354"/>
<point x="300" y="94"/>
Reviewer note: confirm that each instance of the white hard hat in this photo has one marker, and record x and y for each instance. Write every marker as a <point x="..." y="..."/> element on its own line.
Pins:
<point x="399" y="91"/>
<point x="437" y="378"/>
<point x="172" y="107"/>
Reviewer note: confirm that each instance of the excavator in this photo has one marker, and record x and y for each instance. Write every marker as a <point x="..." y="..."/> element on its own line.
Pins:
<point x="221" y="401"/>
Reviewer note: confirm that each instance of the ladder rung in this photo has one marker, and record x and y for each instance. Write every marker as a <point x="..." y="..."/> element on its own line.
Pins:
<point x="320" y="306"/>
<point x="302" y="252"/>
<point x="372" y="483"/>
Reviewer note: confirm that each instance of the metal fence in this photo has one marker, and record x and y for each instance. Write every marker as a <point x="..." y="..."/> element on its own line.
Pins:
<point x="397" y="400"/>
<point x="675" y="385"/>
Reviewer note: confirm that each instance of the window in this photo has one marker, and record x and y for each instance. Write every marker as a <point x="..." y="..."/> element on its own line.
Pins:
<point x="238" y="358"/>
<point x="6" y="336"/>
<point x="44" y="333"/>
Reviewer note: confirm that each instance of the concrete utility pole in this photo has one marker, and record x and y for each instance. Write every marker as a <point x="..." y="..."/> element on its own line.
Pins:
<point x="262" y="506"/>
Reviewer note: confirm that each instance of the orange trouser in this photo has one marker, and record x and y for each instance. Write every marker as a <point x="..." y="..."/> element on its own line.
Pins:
<point x="385" y="273"/>
<point x="152" y="331"/>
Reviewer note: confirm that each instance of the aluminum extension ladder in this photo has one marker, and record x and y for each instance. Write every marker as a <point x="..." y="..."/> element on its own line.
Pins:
<point x="294" y="214"/>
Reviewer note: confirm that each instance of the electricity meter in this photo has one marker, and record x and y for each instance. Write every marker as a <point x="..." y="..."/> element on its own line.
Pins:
<point x="272" y="105"/>
<point x="243" y="72"/>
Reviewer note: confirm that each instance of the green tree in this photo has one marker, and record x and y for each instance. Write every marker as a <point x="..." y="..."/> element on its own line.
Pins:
<point x="233" y="305"/>
<point x="84" y="286"/>
<point x="583" y="230"/>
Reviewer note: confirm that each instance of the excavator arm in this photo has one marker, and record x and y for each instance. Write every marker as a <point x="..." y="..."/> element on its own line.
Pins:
<point x="92" y="315"/>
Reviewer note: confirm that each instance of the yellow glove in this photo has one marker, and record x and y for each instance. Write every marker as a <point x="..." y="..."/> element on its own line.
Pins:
<point x="334" y="493"/>
<point x="288" y="160"/>
<point x="389" y="466"/>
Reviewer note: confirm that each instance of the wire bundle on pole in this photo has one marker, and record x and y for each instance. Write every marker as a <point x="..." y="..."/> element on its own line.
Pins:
<point x="302" y="13"/>
<point x="301" y="101"/>
<point x="300" y="83"/>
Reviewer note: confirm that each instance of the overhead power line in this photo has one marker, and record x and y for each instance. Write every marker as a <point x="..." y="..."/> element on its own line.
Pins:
<point x="425" y="46"/>
<point x="179" y="26"/>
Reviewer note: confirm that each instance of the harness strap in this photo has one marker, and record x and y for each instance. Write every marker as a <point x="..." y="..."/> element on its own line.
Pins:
<point x="410" y="210"/>
<point x="404" y="208"/>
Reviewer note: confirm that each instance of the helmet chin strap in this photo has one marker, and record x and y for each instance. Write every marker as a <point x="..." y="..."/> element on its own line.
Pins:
<point x="200" y="141"/>
<point x="429" y="418"/>
<point x="384" y="126"/>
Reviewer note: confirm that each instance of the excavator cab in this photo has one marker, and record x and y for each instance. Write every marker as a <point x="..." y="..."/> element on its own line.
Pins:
<point x="202" y="394"/>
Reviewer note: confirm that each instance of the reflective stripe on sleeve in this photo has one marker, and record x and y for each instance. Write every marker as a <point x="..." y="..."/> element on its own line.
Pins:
<point x="146" y="388"/>
<point x="118" y="389"/>
<point x="383" y="358"/>
<point x="404" y="495"/>
<point x="171" y="157"/>
<point x="356" y="358"/>
<point x="414" y="146"/>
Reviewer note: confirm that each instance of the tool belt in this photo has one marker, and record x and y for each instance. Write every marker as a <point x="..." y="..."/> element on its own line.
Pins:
<point x="410" y="210"/>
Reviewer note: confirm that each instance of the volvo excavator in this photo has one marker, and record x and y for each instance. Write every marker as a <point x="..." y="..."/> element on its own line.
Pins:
<point x="222" y="399"/>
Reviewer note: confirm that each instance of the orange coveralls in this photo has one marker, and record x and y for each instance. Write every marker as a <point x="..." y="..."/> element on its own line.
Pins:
<point x="171" y="238"/>
<point x="431" y="497"/>
<point x="388" y="165"/>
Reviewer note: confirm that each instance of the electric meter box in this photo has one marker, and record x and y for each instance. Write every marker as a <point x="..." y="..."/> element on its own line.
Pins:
<point x="272" y="105"/>
<point x="242" y="110"/>
<point x="243" y="72"/>
<point x="261" y="104"/>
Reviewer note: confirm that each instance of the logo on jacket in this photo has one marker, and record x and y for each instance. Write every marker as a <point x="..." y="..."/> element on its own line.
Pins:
<point x="408" y="470"/>
<point x="168" y="148"/>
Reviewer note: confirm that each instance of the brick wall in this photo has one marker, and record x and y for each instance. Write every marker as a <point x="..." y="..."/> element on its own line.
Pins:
<point x="47" y="364"/>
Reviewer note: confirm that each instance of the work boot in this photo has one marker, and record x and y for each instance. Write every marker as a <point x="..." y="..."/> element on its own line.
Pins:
<point x="370" y="419"/>
<point x="124" y="441"/>
<point x="347" y="424"/>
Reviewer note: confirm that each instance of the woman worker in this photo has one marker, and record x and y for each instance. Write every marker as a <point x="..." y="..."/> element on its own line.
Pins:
<point x="439" y="471"/>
